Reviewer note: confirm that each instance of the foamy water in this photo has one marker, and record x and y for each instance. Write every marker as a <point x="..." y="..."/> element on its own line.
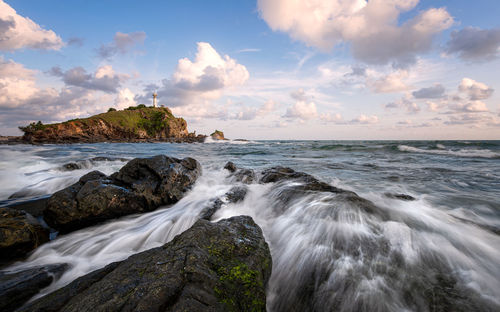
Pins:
<point x="328" y="253"/>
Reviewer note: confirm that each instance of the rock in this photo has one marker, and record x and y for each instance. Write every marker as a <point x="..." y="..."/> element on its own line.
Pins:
<point x="143" y="184"/>
<point x="17" y="288"/>
<point x="218" y="135"/>
<point x="234" y="195"/>
<point x="230" y="166"/>
<point x="246" y="176"/>
<point x="221" y="266"/>
<point x="160" y="179"/>
<point x="293" y="184"/>
<point x="20" y="233"/>
<point x="400" y="196"/>
<point x="88" y="163"/>
<point x="32" y="205"/>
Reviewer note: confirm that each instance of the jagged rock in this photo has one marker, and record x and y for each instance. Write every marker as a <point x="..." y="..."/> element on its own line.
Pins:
<point x="87" y="163"/>
<point x="18" y="287"/>
<point x="293" y="184"/>
<point x="20" y="233"/>
<point x="221" y="266"/>
<point x="246" y="176"/>
<point x="400" y="196"/>
<point x="143" y="184"/>
<point x="234" y="195"/>
<point x="218" y="135"/>
<point x="32" y="205"/>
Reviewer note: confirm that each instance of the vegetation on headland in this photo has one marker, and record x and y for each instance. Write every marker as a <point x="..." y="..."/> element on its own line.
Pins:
<point x="134" y="123"/>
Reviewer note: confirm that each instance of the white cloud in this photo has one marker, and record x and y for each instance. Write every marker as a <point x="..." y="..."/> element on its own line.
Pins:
<point x="405" y="102"/>
<point x="195" y="85"/>
<point x="18" y="32"/>
<point x="125" y="98"/>
<point x="363" y="119"/>
<point x="122" y="43"/>
<point x="371" y="27"/>
<point x="330" y="117"/>
<point x="302" y="110"/>
<point x="393" y="82"/>
<point x="104" y="79"/>
<point x="469" y="107"/>
<point x="17" y="83"/>
<point x="475" y="90"/>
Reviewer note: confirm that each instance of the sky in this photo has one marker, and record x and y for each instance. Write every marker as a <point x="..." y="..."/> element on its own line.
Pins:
<point x="265" y="69"/>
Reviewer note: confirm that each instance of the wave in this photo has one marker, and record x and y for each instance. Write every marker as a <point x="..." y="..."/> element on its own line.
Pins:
<point x="228" y="141"/>
<point x="481" y="153"/>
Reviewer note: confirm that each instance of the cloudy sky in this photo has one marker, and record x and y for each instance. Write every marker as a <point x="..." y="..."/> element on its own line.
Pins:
<point x="265" y="69"/>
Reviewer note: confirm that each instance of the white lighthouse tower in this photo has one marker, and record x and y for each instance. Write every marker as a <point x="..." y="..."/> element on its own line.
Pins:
<point x="154" y="98"/>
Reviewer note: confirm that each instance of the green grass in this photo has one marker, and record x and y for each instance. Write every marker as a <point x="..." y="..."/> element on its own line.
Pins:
<point x="150" y="119"/>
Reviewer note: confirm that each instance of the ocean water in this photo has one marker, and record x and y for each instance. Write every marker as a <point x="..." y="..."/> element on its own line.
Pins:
<point x="442" y="249"/>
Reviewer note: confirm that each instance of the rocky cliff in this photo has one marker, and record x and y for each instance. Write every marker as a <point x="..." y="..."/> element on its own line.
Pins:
<point x="134" y="124"/>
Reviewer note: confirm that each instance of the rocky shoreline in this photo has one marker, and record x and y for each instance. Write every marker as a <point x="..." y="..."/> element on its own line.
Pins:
<point x="211" y="266"/>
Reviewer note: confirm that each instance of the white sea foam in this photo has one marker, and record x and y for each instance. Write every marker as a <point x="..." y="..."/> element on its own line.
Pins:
<point x="483" y="153"/>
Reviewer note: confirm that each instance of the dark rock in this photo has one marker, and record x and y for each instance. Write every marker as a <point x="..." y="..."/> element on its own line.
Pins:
<point x="212" y="207"/>
<point x="32" y="205"/>
<point x="86" y="163"/>
<point x="221" y="266"/>
<point x="160" y="179"/>
<point x="230" y="166"/>
<point x="234" y="195"/>
<point x="246" y="176"/>
<point x="218" y="135"/>
<point x="20" y="233"/>
<point x="143" y="184"/>
<point x="18" y="287"/>
<point x="400" y="196"/>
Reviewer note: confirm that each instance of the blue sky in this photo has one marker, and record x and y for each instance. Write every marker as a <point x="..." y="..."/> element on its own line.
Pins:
<point x="265" y="69"/>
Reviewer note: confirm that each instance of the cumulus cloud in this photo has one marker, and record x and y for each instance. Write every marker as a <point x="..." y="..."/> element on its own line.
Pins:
<point x="406" y="103"/>
<point x="18" y="32"/>
<point x="302" y="110"/>
<point x="194" y="85"/>
<point x="434" y="92"/>
<point x="122" y="43"/>
<point x="363" y="119"/>
<point x="125" y="98"/>
<point x="469" y="107"/>
<point x="475" y="44"/>
<point x="330" y="117"/>
<point x="17" y="83"/>
<point x="104" y="79"/>
<point x="393" y="82"/>
<point x="370" y="27"/>
<point x="475" y="90"/>
<point x="250" y="113"/>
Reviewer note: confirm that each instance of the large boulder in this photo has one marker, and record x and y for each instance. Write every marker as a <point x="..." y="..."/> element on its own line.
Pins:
<point x="20" y="233"/>
<point x="221" y="266"/>
<point x="18" y="287"/>
<point x="143" y="184"/>
<point x="243" y="175"/>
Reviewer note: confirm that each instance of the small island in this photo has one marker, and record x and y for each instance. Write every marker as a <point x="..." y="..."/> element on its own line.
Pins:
<point x="133" y="124"/>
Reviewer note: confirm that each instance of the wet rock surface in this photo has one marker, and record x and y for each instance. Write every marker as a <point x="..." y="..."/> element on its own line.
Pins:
<point x="143" y="184"/>
<point x="89" y="162"/>
<point x="18" y="287"/>
<point x="404" y="197"/>
<point x="234" y="195"/>
<point x="20" y="233"/>
<point x="221" y="266"/>
<point x="243" y="175"/>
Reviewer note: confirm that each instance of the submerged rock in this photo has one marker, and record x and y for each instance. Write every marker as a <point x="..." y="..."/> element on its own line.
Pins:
<point x="143" y="184"/>
<point x="221" y="266"/>
<point x="234" y="195"/>
<point x="400" y="196"/>
<point x="243" y="175"/>
<point x="17" y="288"/>
<point x="20" y="233"/>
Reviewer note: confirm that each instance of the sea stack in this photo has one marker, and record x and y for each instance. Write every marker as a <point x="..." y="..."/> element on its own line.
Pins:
<point x="218" y="135"/>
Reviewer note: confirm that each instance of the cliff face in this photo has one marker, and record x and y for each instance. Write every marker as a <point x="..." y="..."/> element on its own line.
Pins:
<point x="131" y="125"/>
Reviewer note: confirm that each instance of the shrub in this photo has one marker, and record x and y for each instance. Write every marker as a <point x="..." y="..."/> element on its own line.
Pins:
<point x="32" y="127"/>
<point x="111" y="109"/>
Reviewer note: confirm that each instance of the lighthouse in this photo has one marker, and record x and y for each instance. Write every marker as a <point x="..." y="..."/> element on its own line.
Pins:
<point x="154" y="98"/>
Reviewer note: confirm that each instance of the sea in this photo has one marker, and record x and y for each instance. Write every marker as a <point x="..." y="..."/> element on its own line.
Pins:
<point x="440" y="250"/>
